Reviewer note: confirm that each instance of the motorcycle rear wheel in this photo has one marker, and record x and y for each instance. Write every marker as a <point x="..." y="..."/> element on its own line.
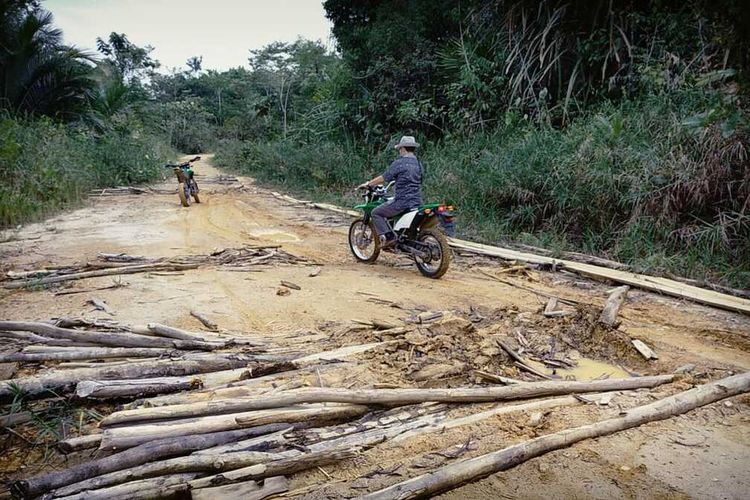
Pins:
<point x="363" y="241"/>
<point x="441" y="253"/>
<point x="195" y="193"/>
<point x="184" y="199"/>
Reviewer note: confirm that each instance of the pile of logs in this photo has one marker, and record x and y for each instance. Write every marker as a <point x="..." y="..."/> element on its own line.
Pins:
<point x="198" y="418"/>
<point x="242" y="258"/>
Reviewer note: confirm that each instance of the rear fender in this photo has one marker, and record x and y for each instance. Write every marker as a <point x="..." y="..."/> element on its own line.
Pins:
<point x="422" y="222"/>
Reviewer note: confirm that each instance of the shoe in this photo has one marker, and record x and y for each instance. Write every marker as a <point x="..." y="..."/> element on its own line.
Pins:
<point x="387" y="241"/>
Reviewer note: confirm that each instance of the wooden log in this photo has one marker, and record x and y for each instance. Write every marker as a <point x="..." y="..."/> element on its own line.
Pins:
<point x="177" y="465"/>
<point x="385" y="397"/>
<point x="32" y="337"/>
<point x="276" y="468"/>
<point x="97" y="273"/>
<point x="104" y="389"/>
<point x="151" y="451"/>
<point x="65" y="381"/>
<point x="79" y="353"/>
<point x="248" y="490"/>
<point x="146" y="489"/>
<point x="79" y="443"/>
<point x="16" y="418"/>
<point x="203" y="319"/>
<point x="497" y="379"/>
<point x="116" y="438"/>
<point x="456" y="474"/>
<point x="113" y="339"/>
<point x="643" y="349"/>
<point x="612" y="307"/>
<point x="260" y="443"/>
<point x="174" y="333"/>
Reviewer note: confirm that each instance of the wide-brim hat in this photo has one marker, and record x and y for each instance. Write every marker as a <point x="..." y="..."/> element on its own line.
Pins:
<point x="407" y="141"/>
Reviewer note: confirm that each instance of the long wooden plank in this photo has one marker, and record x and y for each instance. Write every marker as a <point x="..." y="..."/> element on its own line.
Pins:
<point x="651" y="283"/>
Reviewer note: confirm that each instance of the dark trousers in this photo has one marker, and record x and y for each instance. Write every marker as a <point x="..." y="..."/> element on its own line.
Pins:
<point x="384" y="212"/>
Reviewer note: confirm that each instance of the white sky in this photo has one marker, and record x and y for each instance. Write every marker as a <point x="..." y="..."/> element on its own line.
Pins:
<point x="222" y="31"/>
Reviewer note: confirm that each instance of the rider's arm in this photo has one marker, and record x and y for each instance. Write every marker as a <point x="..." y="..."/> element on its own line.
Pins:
<point x="374" y="182"/>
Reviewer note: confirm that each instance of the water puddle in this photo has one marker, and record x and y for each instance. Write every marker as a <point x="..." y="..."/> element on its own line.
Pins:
<point x="273" y="235"/>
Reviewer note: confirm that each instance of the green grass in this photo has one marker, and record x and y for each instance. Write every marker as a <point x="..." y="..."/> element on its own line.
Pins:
<point x="46" y="166"/>
<point x="651" y="182"/>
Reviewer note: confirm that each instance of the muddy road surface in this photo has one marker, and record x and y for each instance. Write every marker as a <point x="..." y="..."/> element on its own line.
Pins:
<point x="703" y="454"/>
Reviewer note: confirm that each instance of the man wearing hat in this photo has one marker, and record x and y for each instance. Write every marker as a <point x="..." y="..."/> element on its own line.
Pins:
<point x="407" y="172"/>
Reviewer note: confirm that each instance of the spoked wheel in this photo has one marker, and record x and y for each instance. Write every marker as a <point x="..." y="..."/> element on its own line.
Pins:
<point x="436" y="264"/>
<point x="184" y="197"/>
<point x="194" y="190"/>
<point x="363" y="241"/>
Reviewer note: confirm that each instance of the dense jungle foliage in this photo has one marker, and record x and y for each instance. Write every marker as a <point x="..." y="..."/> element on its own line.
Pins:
<point x="616" y="128"/>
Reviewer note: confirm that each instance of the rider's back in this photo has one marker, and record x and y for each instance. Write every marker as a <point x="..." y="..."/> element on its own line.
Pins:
<point x="407" y="172"/>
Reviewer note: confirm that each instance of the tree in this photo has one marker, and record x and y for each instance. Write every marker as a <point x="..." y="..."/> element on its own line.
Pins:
<point x="130" y="62"/>
<point x="195" y="64"/>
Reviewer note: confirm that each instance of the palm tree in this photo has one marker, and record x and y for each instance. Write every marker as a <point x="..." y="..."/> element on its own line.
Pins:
<point x="39" y="75"/>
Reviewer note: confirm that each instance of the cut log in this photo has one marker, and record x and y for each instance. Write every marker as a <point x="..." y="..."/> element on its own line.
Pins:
<point x="277" y="468"/>
<point x="79" y="353"/>
<point x="249" y="490"/>
<point x="261" y="443"/>
<point x="116" y="438"/>
<point x="203" y="319"/>
<point x="144" y="489"/>
<point x="337" y="354"/>
<point x="152" y="451"/>
<point x="174" y="333"/>
<point x="65" y="381"/>
<point x="16" y="418"/>
<point x="97" y="273"/>
<point x="79" y="443"/>
<point x="38" y="339"/>
<point x="644" y="350"/>
<point x="104" y="389"/>
<point x="454" y="475"/>
<point x="385" y="397"/>
<point x="612" y="307"/>
<point x="105" y="338"/>
<point x="100" y="305"/>
<point x="179" y="465"/>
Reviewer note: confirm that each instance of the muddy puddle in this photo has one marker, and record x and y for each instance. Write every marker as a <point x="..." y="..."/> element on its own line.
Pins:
<point x="274" y="235"/>
<point x="585" y="369"/>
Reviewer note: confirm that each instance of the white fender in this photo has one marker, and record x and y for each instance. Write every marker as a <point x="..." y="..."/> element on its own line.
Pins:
<point x="405" y="221"/>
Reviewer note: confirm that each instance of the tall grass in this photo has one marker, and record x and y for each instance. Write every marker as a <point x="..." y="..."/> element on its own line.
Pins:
<point x="650" y="182"/>
<point x="45" y="166"/>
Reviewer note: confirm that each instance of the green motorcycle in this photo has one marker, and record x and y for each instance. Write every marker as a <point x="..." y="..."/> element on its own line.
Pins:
<point x="418" y="234"/>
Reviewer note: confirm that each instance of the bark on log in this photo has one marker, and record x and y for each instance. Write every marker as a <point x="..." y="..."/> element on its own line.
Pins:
<point x="277" y="468"/>
<point x="155" y="450"/>
<point x="612" y="306"/>
<point x="178" y="465"/>
<point x="103" y="389"/>
<point x="454" y="475"/>
<point x="38" y="339"/>
<point x="116" y="438"/>
<point x="157" y="487"/>
<point x="80" y="443"/>
<point x="385" y="397"/>
<point x="99" y="272"/>
<point x="80" y="353"/>
<point x="105" y="338"/>
<point x="261" y="443"/>
<point x="174" y="333"/>
<point x="65" y="381"/>
<point x="248" y="490"/>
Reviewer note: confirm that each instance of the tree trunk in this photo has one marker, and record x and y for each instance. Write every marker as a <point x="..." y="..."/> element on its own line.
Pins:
<point x="80" y="353"/>
<point x="103" y="389"/>
<point x="454" y="475"/>
<point x="105" y="338"/>
<point x="65" y="381"/>
<point x="612" y="306"/>
<point x="277" y="468"/>
<point x="116" y="438"/>
<point x="38" y="339"/>
<point x="178" y="465"/>
<point x="383" y="397"/>
<point x="99" y="272"/>
<point x="154" y="450"/>
<point x="146" y="489"/>
<point x="80" y="443"/>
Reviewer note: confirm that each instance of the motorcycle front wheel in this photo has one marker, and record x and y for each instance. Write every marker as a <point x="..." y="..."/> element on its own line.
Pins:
<point x="436" y="265"/>
<point x="363" y="241"/>
<point x="194" y="190"/>
<point x="184" y="198"/>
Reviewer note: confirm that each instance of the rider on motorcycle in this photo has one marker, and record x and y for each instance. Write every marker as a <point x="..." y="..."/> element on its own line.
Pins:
<point x="407" y="172"/>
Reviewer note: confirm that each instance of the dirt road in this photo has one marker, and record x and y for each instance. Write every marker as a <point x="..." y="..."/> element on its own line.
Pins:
<point x="705" y="454"/>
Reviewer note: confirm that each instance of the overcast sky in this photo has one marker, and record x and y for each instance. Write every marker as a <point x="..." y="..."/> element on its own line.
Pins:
<point x="222" y="31"/>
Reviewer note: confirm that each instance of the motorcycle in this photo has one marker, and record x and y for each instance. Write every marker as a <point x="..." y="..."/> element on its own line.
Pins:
<point x="186" y="178"/>
<point x="418" y="233"/>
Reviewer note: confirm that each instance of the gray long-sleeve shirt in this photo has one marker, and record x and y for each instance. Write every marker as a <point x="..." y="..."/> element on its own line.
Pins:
<point x="407" y="172"/>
